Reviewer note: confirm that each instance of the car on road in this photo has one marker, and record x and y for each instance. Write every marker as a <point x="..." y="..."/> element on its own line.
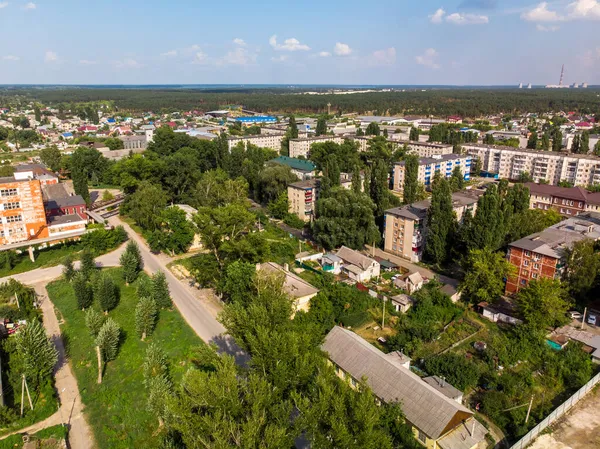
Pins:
<point x="592" y="319"/>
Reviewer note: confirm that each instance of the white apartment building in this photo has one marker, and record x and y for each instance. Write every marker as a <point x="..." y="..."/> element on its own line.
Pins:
<point x="425" y="149"/>
<point x="543" y="166"/>
<point x="445" y="164"/>
<point x="272" y="141"/>
<point x="301" y="146"/>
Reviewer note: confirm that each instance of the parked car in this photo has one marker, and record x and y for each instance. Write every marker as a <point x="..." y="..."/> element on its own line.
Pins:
<point x="575" y="315"/>
<point x="591" y="319"/>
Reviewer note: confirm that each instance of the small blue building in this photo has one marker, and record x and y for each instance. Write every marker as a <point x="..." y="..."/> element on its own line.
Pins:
<point x="261" y="119"/>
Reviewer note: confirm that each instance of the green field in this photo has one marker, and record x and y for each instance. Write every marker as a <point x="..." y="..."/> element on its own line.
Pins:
<point x="116" y="409"/>
<point x="48" y="434"/>
<point x="47" y="257"/>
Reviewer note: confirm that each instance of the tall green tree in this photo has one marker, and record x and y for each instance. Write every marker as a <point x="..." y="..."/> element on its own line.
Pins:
<point x="107" y="344"/>
<point x="441" y="222"/>
<point x="106" y="292"/>
<point x="321" y="126"/>
<point x="68" y="268"/>
<point x="414" y="134"/>
<point x="94" y="321"/>
<point x="84" y="293"/>
<point x="157" y="381"/>
<point x="543" y="304"/>
<point x="582" y="269"/>
<point x="131" y="261"/>
<point x="146" y="204"/>
<point x="557" y="137"/>
<point x="576" y="145"/>
<point x="38" y="353"/>
<point x="532" y="142"/>
<point x="585" y="142"/>
<point x="146" y="314"/>
<point x="373" y="129"/>
<point x="345" y="218"/>
<point x="488" y="224"/>
<point x="174" y="233"/>
<point x="545" y="143"/>
<point x="457" y="180"/>
<point x="51" y="157"/>
<point x="411" y="179"/>
<point x="485" y="274"/>
<point x="160" y="290"/>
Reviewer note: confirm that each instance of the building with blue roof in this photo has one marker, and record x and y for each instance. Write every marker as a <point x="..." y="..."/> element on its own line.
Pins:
<point x="256" y="119"/>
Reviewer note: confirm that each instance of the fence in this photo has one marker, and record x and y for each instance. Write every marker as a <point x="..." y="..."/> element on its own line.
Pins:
<point x="556" y="414"/>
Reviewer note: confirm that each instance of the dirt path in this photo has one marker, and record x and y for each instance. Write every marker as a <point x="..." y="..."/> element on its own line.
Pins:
<point x="579" y="429"/>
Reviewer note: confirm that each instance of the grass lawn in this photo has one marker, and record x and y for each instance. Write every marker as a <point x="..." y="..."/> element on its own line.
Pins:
<point x="56" y="433"/>
<point x="116" y="409"/>
<point x="44" y="401"/>
<point x="47" y="257"/>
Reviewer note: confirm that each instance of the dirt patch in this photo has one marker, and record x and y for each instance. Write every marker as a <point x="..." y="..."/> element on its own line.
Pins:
<point x="580" y="429"/>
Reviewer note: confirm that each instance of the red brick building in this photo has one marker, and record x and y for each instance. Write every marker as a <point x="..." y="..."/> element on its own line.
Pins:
<point x="541" y="255"/>
<point x="568" y="201"/>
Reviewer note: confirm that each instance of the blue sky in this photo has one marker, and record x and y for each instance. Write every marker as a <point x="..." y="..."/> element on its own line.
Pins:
<point x="327" y="42"/>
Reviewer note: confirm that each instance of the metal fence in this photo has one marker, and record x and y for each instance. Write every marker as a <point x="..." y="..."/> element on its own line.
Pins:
<point x="556" y="414"/>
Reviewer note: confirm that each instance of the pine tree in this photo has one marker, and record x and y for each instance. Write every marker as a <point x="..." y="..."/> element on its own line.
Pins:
<point x="411" y="179"/>
<point x="38" y="353"/>
<point x="107" y="344"/>
<point x="83" y="291"/>
<point x="155" y="363"/>
<point x="106" y="292"/>
<point x="68" y="268"/>
<point x="94" y="321"/>
<point x="532" y="141"/>
<point x="145" y="317"/>
<point x="157" y="381"/>
<point x="144" y="287"/>
<point x="585" y="142"/>
<point x="441" y="222"/>
<point x="321" y="126"/>
<point x="160" y="290"/>
<point x="130" y="267"/>
<point x="88" y="264"/>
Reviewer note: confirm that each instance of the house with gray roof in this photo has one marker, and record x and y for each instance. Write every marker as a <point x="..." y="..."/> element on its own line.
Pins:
<point x="438" y="420"/>
<point x="296" y="287"/>
<point x="357" y="266"/>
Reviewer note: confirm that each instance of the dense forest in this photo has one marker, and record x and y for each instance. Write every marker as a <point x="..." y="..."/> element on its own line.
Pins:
<point x="437" y="102"/>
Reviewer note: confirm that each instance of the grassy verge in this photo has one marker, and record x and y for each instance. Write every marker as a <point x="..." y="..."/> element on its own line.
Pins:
<point x="116" y="409"/>
<point x="44" y="401"/>
<point x="56" y="433"/>
<point x="47" y="257"/>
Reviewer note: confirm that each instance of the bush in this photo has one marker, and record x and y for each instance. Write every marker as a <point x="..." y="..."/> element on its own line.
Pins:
<point x="457" y="370"/>
<point x="102" y="240"/>
<point x="293" y="221"/>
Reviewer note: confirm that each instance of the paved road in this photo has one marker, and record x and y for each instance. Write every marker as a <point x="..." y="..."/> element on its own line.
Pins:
<point x="192" y="309"/>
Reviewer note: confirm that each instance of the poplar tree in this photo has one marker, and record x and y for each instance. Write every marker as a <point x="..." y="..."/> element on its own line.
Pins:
<point x="68" y="268"/>
<point x="107" y="344"/>
<point x="441" y="221"/>
<point x="106" y="292"/>
<point x="38" y="353"/>
<point x="145" y="317"/>
<point x="83" y="291"/>
<point x="532" y="142"/>
<point x="160" y="290"/>
<point x="321" y="126"/>
<point x="411" y="179"/>
<point x="585" y="142"/>
<point x="94" y="321"/>
<point x="87" y="263"/>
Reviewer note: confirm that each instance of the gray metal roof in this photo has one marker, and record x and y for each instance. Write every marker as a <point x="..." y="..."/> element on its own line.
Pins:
<point x="425" y="407"/>
<point x="349" y="256"/>
<point x="443" y="387"/>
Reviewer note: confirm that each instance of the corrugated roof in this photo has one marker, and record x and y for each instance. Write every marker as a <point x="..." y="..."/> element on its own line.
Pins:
<point x="354" y="257"/>
<point x="424" y="406"/>
<point x="296" y="164"/>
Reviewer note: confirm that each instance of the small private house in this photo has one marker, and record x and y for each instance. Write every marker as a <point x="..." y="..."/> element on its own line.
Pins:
<point x="300" y="290"/>
<point x="431" y="407"/>
<point x="355" y="265"/>
<point x="410" y="283"/>
<point x="402" y="302"/>
<point x="501" y="311"/>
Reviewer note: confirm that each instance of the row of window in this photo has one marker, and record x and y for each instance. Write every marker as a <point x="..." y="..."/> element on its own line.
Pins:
<point x="11" y="206"/>
<point x="14" y="218"/>
<point x="9" y="192"/>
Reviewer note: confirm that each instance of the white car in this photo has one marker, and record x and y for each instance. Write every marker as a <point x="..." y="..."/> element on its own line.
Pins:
<point x="591" y="320"/>
<point x="575" y="315"/>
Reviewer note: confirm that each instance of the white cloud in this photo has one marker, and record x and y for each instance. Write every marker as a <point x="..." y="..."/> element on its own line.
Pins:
<point x="194" y="47"/>
<point x="238" y="56"/>
<point x="384" y="57"/>
<point x="240" y="42"/>
<point x="584" y="9"/>
<point x="324" y="54"/>
<point x="87" y="62"/>
<point x="280" y="58"/>
<point x="547" y="28"/>
<point x="342" y="49"/>
<point x="200" y="57"/>
<point x="541" y="13"/>
<point x="127" y="63"/>
<point x="428" y="59"/>
<point x="3" y="5"/>
<point x="11" y="58"/>
<point x="51" y="56"/>
<point x="29" y="6"/>
<point x="291" y="44"/>
<point x="169" y="54"/>
<point x="467" y="19"/>
<point x="437" y="16"/>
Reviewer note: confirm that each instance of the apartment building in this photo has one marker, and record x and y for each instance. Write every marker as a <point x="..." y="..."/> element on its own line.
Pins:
<point x="272" y="141"/>
<point x="21" y="210"/>
<point x="568" y="201"/>
<point x="541" y="255"/>
<point x="542" y="166"/>
<point x="428" y="166"/>
<point x="425" y="149"/>
<point x="301" y="147"/>
<point x="302" y="198"/>
<point x="405" y="228"/>
<point x="134" y="142"/>
<point x="303" y="169"/>
<point x="433" y="409"/>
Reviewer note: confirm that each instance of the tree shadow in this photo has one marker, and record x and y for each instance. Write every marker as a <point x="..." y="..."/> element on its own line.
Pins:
<point x="226" y="345"/>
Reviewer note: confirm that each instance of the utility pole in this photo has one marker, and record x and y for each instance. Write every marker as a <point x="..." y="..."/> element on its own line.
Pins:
<point x="529" y="409"/>
<point x="25" y="387"/>
<point x="383" y="315"/>
<point x="17" y="298"/>
<point x="583" y="320"/>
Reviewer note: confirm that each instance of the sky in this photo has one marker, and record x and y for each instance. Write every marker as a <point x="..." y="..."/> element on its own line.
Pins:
<point x="398" y="42"/>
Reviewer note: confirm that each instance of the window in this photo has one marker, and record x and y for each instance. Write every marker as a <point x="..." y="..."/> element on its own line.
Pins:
<point x="353" y="382"/>
<point x="534" y="275"/>
<point x="523" y="282"/>
<point x="525" y="263"/>
<point x="14" y="218"/>
<point x="422" y="437"/>
<point x="527" y="254"/>
<point x="11" y="206"/>
<point x="8" y="192"/>
<point x="536" y="265"/>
